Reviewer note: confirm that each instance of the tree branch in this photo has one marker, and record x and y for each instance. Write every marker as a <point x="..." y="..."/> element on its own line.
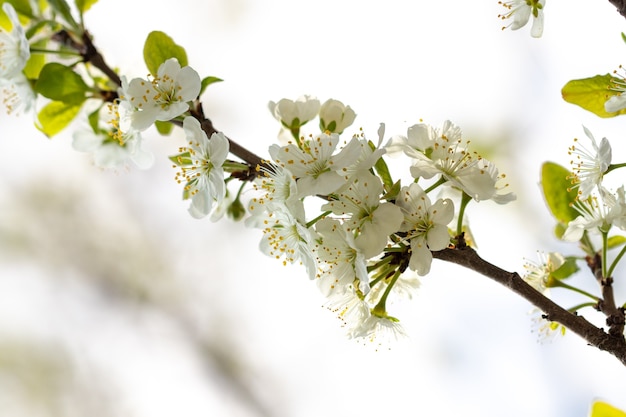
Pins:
<point x="467" y="257"/>
<point x="621" y="6"/>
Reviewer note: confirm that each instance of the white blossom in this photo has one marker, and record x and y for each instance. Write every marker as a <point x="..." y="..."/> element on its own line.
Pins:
<point x="203" y="175"/>
<point x="425" y="225"/>
<point x="521" y="11"/>
<point x="371" y="222"/>
<point x="335" y="116"/>
<point x="294" y="114"/>
<point x="164" y="97"/>
<point x="589" y="166"/>
<point x="341" y="263"/>
<point x="14" y="47"/>
<point x="316" y="167"/>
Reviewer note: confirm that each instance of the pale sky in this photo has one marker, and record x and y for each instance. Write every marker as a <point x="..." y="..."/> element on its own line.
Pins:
<point x="470" y="350"/>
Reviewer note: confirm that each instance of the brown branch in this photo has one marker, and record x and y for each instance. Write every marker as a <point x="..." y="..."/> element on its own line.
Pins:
<point x="467" y="257"/>
<point x="621" y="6"/>
<point x="614" y="316"/>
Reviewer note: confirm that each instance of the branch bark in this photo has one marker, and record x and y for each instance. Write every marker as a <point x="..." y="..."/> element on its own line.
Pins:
<point x="467" y="257"/>
<point x="621" y="6"/>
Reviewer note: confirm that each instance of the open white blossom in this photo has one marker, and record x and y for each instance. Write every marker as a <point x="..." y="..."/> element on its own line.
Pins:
<point x="617" y="101"/>
<point x="442" y="152"/>
<point x="589" y="166"/>
<point x="341" y="263"/>
<point x="17" y="94"/>
<point x="335" y="116"/>
<point x="14" y="47"/>
<point x="539" y="273"/>
<point x="426" y="225"/>
<point x="598" y="213"/>
<point x="316" y="167"/>
<point x="110" y="147"/>
<point x="203" y="175"/>
<point x="521" y="11"/>
<point x="164" y="97"/>
<point x="371" y="222"/>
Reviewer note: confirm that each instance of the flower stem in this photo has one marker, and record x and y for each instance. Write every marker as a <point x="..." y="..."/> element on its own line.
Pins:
<point x="615" y="261"/>
<point x="439" y="182"/>
<point x="615" y="166"/>
<point x="318" y="218"/>
<point x="52" y="51"/>
<point x="561" y="284"/>
<point x="465" y="199"/>
<point x="380" y="309"/>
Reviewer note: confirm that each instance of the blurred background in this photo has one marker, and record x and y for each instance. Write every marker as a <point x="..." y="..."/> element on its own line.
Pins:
<point x="115" y="302"/>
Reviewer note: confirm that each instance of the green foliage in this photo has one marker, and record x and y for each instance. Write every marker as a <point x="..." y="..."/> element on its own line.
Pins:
<point x="21" y="6"/>
<point x="63" y="9"/>
<point x="55" y="116"/>
<point x="602" y="409"/>
<point x="569" y="268"/>
<point x="616" y="241"/>
<point x="36" y="62"/>
<point x="61" y="83"/>
<point x="591" y="94"/>
<point x="84" y="5"/>
<point x="158" y="48"/>
<point x="207" y="81"/>
<point x="182" y="159"/>
<point x="557" y="191"/>
<point x="164" y="128"/>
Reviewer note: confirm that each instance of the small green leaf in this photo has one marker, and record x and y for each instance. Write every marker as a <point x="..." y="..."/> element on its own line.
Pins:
<point x="623" y="37"/>
<point x="58" y="82"/>
<point x="602" y="409"/>
<point x="591" y="94"/>
<point x="158" y="48"/>
<point x="164" y="128"/>
<point x="36" y="62"/>
<point x="23" y="7"/>
<point x="62" y="8"/>
<point x="84" y="5"/>
<point x="182" y="159"/>
<point x="207" y="81"/>
<point x="558" y="192"/>
<point x="566" y="270"/>
<point x="616" y="241"/>
<point x="94" y="119"/>
<point x="55" y="116"/>
<point x="392" y="194"/>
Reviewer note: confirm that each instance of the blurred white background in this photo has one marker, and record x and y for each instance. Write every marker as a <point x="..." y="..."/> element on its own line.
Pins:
<point x="115" y="302"/>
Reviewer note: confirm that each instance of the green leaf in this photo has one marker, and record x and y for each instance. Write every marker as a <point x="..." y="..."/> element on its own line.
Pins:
<point x="207" y="81"/>
<point x="62" y="8"/>
<point x="164" y="128"/>
<point x="23" y="7"/>
<point x="36" y="62"/>
<point x="60" y="83"/>
<point x="591" y="94"/>
<point x="94" y="119"/>
<point x="616" y="241"/>
<point x="558" y="192"/>
<point x="566" y="270"/>
<point x="84" y="5"/>
<point x="182" y="159"/>
<point x="159" y="48"/>
<point x="623" y="37"/>
<point x="55" y="116"/>
<point x="602" y="409"/>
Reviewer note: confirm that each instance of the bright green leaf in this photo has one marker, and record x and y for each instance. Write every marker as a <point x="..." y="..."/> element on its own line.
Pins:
<point x="84" y="5"/>
<point x="602" y="409"/>
<point x="591" y="94"/>
<point x="566" y="270"/>
<point x="164" y="128"/>
<point x="94" y="119"/>
<point x="182" y="159"/>
<point x="62" y="8"/>
<point x="55" y="116"/>
<point x="616" y="241"/>
<point x="21" y="6"/>
<point x="58" y="82"/>
<point x="207" y="81"/>
<point x="36" y="62"/>
<point x="558" y="192"/>
<point x="159" y="48"/>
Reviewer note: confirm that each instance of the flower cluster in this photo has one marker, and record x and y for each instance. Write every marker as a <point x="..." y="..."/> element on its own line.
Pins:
<point x="14" y="54"/>
<point x="371" y="236"/>
<point x="521" y="11"/>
